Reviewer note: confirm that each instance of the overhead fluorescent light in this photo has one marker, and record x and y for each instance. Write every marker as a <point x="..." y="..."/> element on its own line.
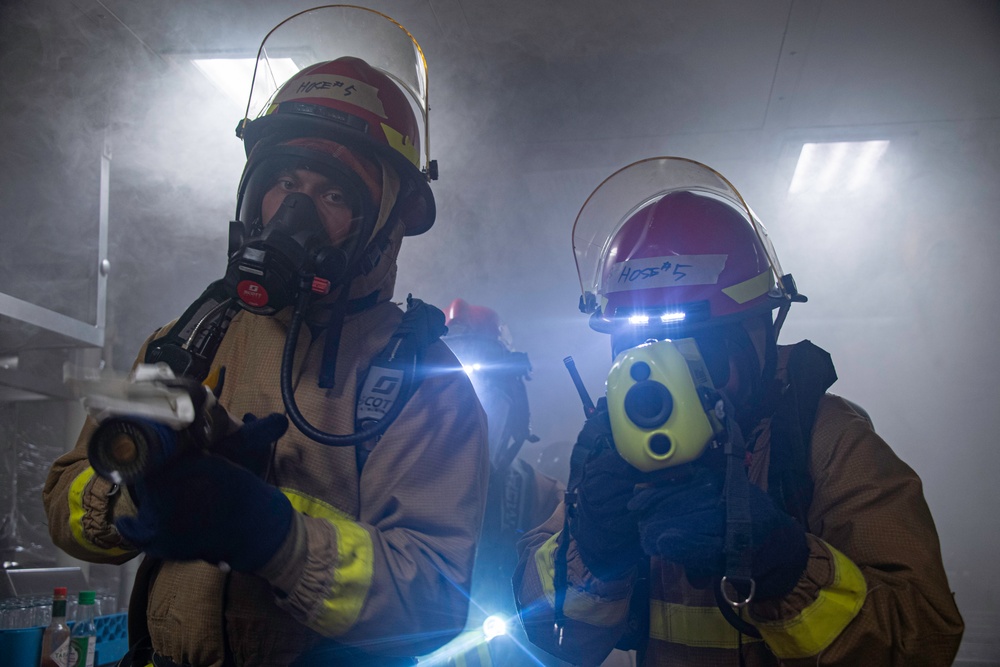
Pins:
<point x="837" y="165"/>
<point x="233" y="76"/>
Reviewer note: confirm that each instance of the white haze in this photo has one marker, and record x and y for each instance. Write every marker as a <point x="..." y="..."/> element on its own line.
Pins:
<point x="533" y="104"/>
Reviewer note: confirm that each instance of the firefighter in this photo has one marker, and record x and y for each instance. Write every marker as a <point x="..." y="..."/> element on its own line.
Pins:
<point x="348" y="536"/>
<point x="796" y="537"/>
<point x="519" y="497"/>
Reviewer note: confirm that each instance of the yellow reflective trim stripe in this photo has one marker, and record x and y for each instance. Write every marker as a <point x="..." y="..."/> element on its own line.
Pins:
<point x="402" y="144"/>
<point x="815" y="628"/>
<point x="355" y="565"/>
<point x="480" y="657"/>
<point x="700" y="627"/>
<point x="580" y="605"/>
<point x="749" y="289"/>
<point x="77" y="489"/>
<point x="465" y="650"/>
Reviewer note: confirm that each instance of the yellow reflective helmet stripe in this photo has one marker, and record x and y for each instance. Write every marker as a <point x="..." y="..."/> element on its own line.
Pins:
<point x="580" y="605"/>
<point x="403" y="144"/>
<point x="77" y="489"/>
<point x="815" y="628"/>
<point x="354" y="568"/>
<point x="699" y="627"/>
<point x="749" y="289"/>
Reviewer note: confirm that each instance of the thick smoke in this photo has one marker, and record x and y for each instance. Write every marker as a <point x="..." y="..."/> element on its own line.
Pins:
<point x="532" y="106"/>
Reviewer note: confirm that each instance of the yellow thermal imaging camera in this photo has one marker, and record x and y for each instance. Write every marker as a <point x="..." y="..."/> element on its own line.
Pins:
<point x="655" y="402"/>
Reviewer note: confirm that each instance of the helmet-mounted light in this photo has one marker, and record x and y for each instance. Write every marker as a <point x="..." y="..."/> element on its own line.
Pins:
<point x="669" y="317"/>
<point x="668" y="243"/>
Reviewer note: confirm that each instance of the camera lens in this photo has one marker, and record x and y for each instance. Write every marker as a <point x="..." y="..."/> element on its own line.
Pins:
<point x="648" y="404"/>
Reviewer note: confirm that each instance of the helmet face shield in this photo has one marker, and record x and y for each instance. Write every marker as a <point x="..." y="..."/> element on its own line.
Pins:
<point x="354" y="76"/>
<point x="668" y="246"/>
<point x="334" y="31"/>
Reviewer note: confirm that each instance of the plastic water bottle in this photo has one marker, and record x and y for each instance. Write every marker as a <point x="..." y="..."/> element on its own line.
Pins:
<point x="83" y="639"/>
<point x="55" y="639"/>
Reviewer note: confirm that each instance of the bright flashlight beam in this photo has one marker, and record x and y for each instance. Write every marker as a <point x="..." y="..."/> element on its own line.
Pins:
<point x="493" y="627"/>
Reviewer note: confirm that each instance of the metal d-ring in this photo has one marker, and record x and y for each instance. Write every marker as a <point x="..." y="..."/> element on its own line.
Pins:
<point x="737" y="604"/>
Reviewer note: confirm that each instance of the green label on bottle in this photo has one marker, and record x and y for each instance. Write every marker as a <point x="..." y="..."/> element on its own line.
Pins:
<point x="81" y="651"/>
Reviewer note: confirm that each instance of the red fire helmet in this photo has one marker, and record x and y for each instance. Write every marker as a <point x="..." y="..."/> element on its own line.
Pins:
<point x="463" y="318"/>
<point x="670" y="244"/>
<point x="366" y="89"/>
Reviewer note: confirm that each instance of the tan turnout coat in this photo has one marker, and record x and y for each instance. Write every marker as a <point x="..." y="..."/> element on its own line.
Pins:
<point x="874" y="591"/>
<point x="379" y="560"/>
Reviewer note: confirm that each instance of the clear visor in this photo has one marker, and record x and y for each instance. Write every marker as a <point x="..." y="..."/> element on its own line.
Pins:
<point x="633" y="187"/>
<point x="334" y="31"/>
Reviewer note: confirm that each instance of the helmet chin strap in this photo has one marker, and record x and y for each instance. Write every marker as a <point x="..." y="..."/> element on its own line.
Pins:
<point x="754" y="407"/>
<point x="779" y="319"/>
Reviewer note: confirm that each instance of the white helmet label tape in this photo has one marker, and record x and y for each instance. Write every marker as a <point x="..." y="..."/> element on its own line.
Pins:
<point x="331" y="86"/>
<point x="671" y="271"/>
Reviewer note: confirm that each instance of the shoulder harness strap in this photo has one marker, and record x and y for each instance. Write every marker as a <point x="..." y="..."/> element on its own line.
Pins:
<point x="810" y="373"/>
<point x="191" y="343"/>
<point x="385" y="380"/>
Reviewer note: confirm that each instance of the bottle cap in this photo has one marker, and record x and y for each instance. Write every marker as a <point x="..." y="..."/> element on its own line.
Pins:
<point x="87" y="597"/>
<point x="59" y="590"/>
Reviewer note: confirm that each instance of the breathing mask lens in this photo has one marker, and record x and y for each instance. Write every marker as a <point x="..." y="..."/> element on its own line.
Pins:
<point x="291" y="254"/>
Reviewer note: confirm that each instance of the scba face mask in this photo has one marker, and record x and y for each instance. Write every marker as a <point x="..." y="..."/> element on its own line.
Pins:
<point x="273" y="265"/>
<point x="292" y="253"/>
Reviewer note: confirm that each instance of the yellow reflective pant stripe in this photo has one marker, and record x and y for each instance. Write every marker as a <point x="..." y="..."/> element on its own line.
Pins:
<point x="700" y="627"/>
<point x="77" y="489"/>
<point x="815" y="628"/>
<point x="580" y="605"/>
<point x="355" y="563"/>
<point x="479" y="658"/>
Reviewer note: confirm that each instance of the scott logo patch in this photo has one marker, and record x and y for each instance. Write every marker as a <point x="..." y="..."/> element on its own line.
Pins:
<point x="252" y="293"/>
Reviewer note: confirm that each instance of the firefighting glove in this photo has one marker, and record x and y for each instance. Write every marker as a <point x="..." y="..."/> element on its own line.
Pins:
<point x="203" y="506"/>
<point x="606" y="533"/>
<point x="684" y="521"/>
<point x="252" y="445"/>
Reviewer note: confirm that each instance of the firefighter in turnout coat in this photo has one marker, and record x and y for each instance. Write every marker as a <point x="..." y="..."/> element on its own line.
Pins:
<point x="282" y="546"/>
<point x="843" y="565"/>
